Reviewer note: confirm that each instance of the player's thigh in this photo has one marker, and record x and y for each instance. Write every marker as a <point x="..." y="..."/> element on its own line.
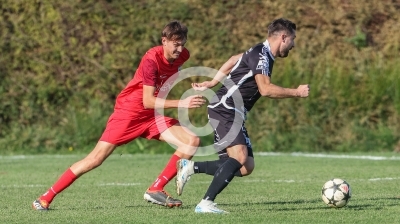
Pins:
<point x="238" y="152"/>
<point x="101" y="151"/>
<point x="179" y="136"/>
<point x="185" y="140"/>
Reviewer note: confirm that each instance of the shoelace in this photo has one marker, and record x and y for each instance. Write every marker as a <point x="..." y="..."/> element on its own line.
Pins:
<point x="166" y="193"/>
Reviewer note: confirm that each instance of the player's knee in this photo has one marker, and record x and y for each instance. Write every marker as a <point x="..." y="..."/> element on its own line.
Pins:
<point x="194" y="141"/>
<point x="241" y="159"/>
<point x="189" y="146"/>
<point x="92" y="163"/>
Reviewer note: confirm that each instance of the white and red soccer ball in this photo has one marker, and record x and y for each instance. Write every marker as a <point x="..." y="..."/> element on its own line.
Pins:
<point x="336" y="193"/>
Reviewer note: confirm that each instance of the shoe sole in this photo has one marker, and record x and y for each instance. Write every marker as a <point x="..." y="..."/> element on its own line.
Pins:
<point x="178" y="166"/>
<point x="148" y="198"/>
<point x="199" y="211"/>
<point x="178" y="190"/>
<point x="209" y="212"/>
<point x="41" y="210"/>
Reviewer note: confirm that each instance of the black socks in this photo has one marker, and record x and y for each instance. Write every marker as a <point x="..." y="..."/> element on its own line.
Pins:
<point x="210" y="167"/>
<point x="223" y="175"/>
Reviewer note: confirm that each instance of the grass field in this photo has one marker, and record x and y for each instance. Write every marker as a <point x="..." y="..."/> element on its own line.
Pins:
<point x="284" y="188"/>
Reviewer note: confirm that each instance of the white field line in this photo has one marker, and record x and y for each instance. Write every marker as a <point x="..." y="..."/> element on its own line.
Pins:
<point x="197" y="182"/>
<point x="17" y="157"/>
<point x="317" y="155"/>
<point x="300" y="181"/>
<point x="78" y="185"/>
<point x="295" y="154"/>
<point x="20" y="157"/>
<point x="22" y="186"/>
<point x="321" y="155"/>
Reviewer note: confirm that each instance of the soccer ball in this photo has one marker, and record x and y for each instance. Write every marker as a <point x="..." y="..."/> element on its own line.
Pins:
<point x="336" y="193"/>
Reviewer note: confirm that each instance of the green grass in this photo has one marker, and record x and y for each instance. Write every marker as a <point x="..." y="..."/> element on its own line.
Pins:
<point x="284" y="188"/>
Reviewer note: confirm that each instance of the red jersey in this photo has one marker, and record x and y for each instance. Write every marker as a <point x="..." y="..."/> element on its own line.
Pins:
<point x="154" y="70"/>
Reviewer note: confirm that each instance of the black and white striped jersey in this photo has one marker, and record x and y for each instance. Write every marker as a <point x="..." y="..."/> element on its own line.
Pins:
<point x="240" y="91"/>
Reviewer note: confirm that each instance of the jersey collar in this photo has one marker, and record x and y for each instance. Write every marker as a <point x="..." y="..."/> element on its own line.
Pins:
<point x="266" y="44"/>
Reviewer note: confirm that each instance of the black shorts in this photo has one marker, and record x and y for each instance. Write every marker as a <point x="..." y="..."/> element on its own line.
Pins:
<point x="228" y="131"/>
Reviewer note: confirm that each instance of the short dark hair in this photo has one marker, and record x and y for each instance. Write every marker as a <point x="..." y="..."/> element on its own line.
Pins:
<point x="175" y="30"/>
<point x="279" y="25"/>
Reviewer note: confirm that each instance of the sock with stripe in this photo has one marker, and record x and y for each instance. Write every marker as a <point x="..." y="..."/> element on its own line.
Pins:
<point x="66" y="179"/>
<point x="166" y="175"/>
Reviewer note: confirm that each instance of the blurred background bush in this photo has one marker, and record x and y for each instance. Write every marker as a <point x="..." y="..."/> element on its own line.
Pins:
<point x="62" y="64"/>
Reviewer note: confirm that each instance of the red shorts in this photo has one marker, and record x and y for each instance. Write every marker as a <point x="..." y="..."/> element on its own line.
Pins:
<point x="121" y="130"/>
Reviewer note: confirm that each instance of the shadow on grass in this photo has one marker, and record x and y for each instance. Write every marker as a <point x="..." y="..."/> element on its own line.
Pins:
<point x="316" y="204"/>
<point x="377" y="203"/>
<point x="294" y="205"/>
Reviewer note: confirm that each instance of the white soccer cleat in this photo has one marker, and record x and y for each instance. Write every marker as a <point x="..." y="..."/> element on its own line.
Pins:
<point x="206" y="206"/>
<point x="184" y="171"/>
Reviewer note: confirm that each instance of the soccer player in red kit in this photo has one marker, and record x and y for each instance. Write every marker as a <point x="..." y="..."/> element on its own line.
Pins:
<point x="135" y="116"/>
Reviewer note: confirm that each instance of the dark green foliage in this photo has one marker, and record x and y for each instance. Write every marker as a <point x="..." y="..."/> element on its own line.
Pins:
<point x="62" y="64"/>
<point x="359" y="40"/>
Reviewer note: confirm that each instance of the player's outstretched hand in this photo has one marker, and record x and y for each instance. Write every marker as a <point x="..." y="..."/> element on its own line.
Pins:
<point x="201" y="86"/>
<point x="194" y="101"/>
<point x="303" y="91"/>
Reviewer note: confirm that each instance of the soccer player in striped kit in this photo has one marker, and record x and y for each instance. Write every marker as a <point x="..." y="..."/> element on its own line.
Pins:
<point x="248" y="78"/>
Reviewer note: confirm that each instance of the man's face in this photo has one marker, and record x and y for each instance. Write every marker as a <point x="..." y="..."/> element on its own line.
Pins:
<point x="172" y="48"/>
<point x="287" y="44"/>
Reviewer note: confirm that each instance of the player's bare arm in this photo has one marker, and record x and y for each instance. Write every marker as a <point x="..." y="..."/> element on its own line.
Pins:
<point x="221" y="74"/>
<point x="267" y="89"/>
<point x="152" y="102"/>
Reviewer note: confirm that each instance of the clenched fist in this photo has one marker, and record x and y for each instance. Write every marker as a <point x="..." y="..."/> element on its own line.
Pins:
<point x="303" y="91"/>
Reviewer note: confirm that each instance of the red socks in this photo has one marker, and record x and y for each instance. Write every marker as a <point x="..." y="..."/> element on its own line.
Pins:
<point x="65" y="180"/>
<point x="166" y="175"/>
<point x="68" y="177"/>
